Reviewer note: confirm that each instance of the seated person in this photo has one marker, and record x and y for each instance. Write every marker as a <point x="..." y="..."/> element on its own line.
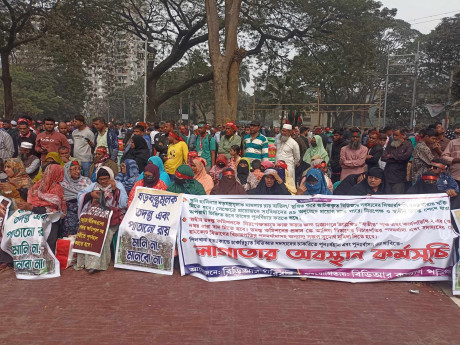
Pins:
<point x="313" y="183"/>
<point x="271" y="184"/>
<point x="372" y="184"/>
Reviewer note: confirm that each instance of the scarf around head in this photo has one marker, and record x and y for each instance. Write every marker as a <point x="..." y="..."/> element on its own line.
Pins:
<point x="48" y="192"/>
<point x="228" y="184"/>
<point x="243" y="173"/>
<point x="153" y="169"/>
<point x="320" y="187"/>
<point x="318" y="150"/>
<point x="72" y="187"/>
<point x="201" y="175"/>
<point x="190" y="185"/>
<point x="132" y="174"/>
<point x="20" y="178"/>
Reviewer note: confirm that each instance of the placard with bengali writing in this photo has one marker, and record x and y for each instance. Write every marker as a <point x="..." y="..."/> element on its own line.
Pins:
<point x="328" y="237"/>
<point x="92" y="231"/>
<point x="24" y="238"/>
<point x="147" y="234"/>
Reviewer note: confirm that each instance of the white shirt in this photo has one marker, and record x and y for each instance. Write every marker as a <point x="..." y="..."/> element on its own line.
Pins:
<point x="289" y="152"/>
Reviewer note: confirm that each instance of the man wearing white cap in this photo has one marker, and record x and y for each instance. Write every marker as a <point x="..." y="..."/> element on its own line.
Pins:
<point x="31" y="161"/>
<point x="288" y="150"/>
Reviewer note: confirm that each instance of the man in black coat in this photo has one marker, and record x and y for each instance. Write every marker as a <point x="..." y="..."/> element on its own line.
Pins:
<point x="375" y="150"/>
<point x="338" y="141"/>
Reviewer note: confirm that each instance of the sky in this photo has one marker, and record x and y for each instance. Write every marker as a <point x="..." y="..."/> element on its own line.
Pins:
<point x="423" y="15"/>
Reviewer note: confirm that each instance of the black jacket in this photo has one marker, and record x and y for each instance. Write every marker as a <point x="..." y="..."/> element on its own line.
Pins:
<point x="335" y="155"/>
<point x="376" y="153"/>
<point x="396" y="168"/>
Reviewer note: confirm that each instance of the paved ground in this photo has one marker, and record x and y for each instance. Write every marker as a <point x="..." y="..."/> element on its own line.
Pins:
<point x="127" y="307"/>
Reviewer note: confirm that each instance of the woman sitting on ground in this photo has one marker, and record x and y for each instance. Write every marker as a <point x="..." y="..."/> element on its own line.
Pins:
<point x="244" y="176"/>
<point x="101" y="159"/>
<point x="72" y="184"/>
<point x="313" y="183"/>
<point x="151" y="179"/>
<point x="373" y="184"/>
<point x="113" y="194"/>
<point x="128" y="175"/>
<point x="198" y="166"/>
<point x="228" y="184"/>
<point x="185" y="183"/>
<point x="271" y="184"/>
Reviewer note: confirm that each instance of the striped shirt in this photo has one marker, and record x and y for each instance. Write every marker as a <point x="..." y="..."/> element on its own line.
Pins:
<point x="6" y="145"/>
<point x="256" y="148"/>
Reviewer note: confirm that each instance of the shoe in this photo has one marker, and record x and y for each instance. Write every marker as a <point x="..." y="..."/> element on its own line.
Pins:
<point x="91" y="271"/>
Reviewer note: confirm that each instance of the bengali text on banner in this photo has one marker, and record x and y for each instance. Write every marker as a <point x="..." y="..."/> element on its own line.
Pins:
<point x="355" y="239"/>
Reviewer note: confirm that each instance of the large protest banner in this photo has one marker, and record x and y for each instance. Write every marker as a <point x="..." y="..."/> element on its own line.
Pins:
<point x="357" y="239"/>
<point x="24" y="239"/>
<point x="147" y="234"/>
<point x="92" y="231"/>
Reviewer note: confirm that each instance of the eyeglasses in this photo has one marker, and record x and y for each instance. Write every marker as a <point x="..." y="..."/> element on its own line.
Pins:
<point x="103" y="178"/>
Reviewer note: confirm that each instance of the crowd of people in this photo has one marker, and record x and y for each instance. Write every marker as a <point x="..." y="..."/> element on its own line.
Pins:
<point x="66" y="167"/>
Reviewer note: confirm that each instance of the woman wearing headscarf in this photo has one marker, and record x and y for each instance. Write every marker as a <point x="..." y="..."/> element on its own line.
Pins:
<point x="185" y="183"/>
<point x="221" y="164"/>
<point x="72" y="184"/>
<point x="151" y="179"/>
<point x="373" y="184"/>
<point x="199" y="169"/>
<point x="282" y="170"/>
<point x="228" y="184"/>
<point x="271" y="184"/>
<point x="47" y="196"/>
<point x="159" y="163"/>
<point x="313" y="183"/>
<point x="50" y="158"/>
<point x="128" y="175"/>
<point x="316" y="148"/>
<point x="427" y="184"/>
<point x="101" y="159"/>
<point x="114" y="195"/>
<point x="18" y="182"/>
<point x="244" y="176"/>
<point x="318" y="163"/>
<point x="139" y="151"/>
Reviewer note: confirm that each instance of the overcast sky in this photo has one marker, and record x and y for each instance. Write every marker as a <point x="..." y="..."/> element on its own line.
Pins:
<point x="424" y="15"/>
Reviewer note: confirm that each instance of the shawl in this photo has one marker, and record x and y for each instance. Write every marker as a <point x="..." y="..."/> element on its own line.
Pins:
<point x="131" y="176"/>
<point x="70" y="186"/>
<point x="320" y="187"/>
<point x="202" y="177"/>
<point x="189" y="186"/>
<point x="159" y="163"/>
<point x="48" y="192"/>
<point x="216" y="170"/>
<point x="318" y="150"/>
<point x="228" y="185"/>
<point x="20" y="178"/>
<point x="54" y="156"/>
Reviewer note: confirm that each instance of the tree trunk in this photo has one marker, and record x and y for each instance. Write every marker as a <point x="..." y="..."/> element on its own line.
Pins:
<point x="7" y="89"/>
<point x="225" y="66"/>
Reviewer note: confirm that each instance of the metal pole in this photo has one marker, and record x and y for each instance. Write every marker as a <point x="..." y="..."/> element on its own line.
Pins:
<point x="319" y="114"/>
<point x="414" y="90"/>
<point x="353" y="117"/>
<point x="254" y="99"/>
<point x="380" y="106"/>
<point x="386" y="90"/>
<point x="145" y="79"/>
<point x="124" y="104"/>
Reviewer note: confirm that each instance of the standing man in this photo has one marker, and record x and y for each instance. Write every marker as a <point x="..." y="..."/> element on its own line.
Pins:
<point x="183" y="133"/>
<point x="64" y="130"/>
<point x="338" y="141"/>
<point x="255" y="144"/>
<point x="353" y="156"/>
<point x="13" y="132"/>
<point x="6" y="145"/>
<point x="83" y="139"/>
<point x="397" y="154"/>
<point x="375" y="150"/>
<point x="452" y="156"/>
<point x="106" y="137"/>
<point x="229" y="139"/>
<point x="26" y="135"/>
<point x="422" y="155"/>
<point x="206" y="146"/>
<point x="304" y="136"/>
<point x="288" y="150"/>
<point x="441" y="140"/>
<point x="50" y="140"/>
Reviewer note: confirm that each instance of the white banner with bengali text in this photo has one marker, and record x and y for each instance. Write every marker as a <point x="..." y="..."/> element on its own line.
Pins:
<point x="355" y="239"/>
<point x="147" y="234"/>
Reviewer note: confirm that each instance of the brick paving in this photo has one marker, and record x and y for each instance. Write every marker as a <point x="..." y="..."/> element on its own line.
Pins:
<point x="128" y="307"/>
